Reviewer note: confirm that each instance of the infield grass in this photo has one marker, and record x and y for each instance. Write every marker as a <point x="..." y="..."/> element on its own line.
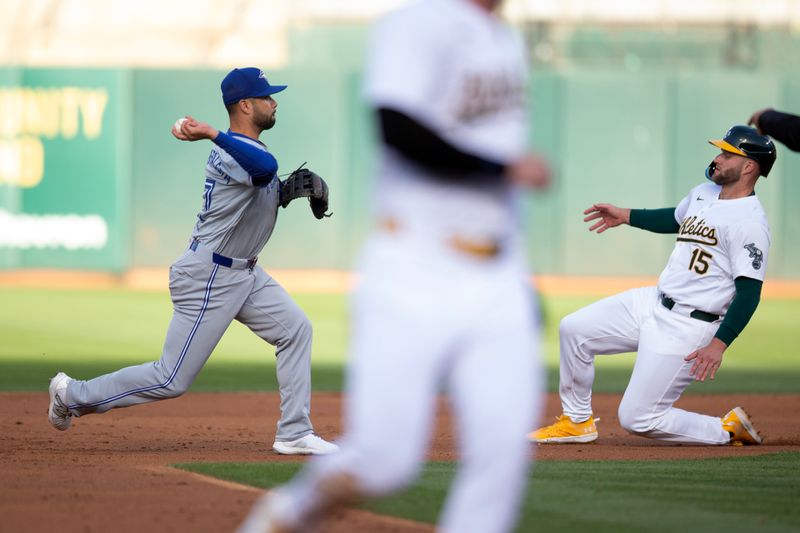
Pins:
<point x="732" y="494"/>
<point x="90" y="332"/>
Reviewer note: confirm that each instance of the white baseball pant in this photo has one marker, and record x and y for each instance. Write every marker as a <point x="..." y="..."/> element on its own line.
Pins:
<point x="636" y="321"/>
<point x="424" y="318"/>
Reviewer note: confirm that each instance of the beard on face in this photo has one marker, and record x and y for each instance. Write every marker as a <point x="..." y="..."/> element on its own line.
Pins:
<point x="727" y="176"/>
<point x="265" y="121"/>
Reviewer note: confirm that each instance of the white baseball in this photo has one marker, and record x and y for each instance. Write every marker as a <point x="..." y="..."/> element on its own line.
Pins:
<point x="179" y="123"/>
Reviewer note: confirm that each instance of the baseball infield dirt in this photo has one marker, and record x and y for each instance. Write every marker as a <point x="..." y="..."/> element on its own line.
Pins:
<point x="112" y="472"/>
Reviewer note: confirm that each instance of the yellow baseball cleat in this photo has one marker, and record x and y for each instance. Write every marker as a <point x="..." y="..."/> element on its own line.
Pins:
<point x="738" y="424"/>
<point x="566" y="431"/>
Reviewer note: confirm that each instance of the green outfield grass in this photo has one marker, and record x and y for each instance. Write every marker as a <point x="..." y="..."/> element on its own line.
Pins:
<point x="89" y="332"/>
<point x="726" y="495"/>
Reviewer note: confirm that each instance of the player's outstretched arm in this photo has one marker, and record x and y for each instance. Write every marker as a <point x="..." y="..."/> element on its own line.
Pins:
<point x="781" y="126"/>
<point x="259" y="163"/>
<point x="610" y="216"/>
<point x="189" y="129"/>
<point x="756" y="117"/>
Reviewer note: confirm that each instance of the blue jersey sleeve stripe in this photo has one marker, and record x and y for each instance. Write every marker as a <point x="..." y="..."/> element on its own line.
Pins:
<point x="260" y="164"/>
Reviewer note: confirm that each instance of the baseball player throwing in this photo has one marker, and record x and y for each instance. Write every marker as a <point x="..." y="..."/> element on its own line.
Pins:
<point x="216" y="280"/>
<point x="705" y="296"/>
<point x="443" y="298"/>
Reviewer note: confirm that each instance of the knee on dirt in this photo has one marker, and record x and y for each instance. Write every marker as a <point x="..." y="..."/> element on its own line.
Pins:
<point x="636" y="419"/>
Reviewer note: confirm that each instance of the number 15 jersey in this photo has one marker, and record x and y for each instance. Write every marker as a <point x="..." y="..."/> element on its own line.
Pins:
<point x="718" y="241"/>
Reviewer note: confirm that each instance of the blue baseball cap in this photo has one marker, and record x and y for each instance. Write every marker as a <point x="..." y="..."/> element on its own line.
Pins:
<point x="249" y="82"/>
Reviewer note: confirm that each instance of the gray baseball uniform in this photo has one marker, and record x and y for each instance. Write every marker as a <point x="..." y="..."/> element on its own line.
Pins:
<point x="214" y="282"/>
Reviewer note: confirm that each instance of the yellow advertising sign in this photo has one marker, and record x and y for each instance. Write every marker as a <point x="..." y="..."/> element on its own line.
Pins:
<point x="28" y="114"/>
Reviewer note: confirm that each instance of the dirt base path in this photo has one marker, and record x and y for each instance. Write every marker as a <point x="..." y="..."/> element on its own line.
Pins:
<point x="112" y="473"/>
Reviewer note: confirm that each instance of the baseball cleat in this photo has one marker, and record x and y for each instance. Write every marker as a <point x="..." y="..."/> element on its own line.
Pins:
<point x="738" y="424"/>
<point x="566" y="431"/>
<point x="58" y="414"/>
<point x="308" y="445"/>
<point x="261" y="518"/>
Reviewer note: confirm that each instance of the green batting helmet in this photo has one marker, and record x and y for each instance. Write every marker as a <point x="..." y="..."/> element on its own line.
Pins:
<point x="747" y="142"/>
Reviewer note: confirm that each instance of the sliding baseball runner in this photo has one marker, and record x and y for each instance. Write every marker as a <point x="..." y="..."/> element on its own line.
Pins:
<point x="680" y="329"/>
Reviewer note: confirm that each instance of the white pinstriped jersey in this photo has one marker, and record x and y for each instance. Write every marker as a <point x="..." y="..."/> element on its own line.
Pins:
<point x="718" y="241"/>
<point x="463" y="75"/>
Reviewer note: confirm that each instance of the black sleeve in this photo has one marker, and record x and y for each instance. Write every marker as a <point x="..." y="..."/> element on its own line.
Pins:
<point x="748" y="294"/>
<point x="782" y="127"/>
<point x="655" y="220"/>
<point x="425" y="147"/>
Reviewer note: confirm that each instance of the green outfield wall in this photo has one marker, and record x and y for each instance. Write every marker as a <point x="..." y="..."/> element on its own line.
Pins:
<point x="65" y="144"/>
<point x="90" y="177"/>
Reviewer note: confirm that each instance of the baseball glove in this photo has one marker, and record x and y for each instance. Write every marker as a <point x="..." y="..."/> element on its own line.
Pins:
<point x="305" y="183"/>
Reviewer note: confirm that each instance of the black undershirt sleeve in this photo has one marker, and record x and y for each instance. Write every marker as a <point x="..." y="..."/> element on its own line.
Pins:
<point x="783" y="127"/>
<point x="422" y="145"/>
<point x="744" y="304"/>
<point x="655" y="220"/>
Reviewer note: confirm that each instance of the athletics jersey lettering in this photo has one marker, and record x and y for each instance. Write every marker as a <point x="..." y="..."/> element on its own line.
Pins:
<point x="486" y="94"/>
<point x="463" y="75"/>
<point x="718" y="241"/>
<point x="693" y="230"/>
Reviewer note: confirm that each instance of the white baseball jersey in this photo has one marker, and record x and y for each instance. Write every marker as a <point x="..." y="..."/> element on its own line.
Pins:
<point x="462" y="75"/>
<point x="427" y="312"/>
<point x="718" y="241"/>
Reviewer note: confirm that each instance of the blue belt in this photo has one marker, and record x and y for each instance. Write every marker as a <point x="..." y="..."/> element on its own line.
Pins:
<point x="228" y="262"/>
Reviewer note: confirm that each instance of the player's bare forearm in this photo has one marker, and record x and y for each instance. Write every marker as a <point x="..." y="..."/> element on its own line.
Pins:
<point x="707" y="360"/>
<point x="610" y="216"/>
<point x="193" y="130"/>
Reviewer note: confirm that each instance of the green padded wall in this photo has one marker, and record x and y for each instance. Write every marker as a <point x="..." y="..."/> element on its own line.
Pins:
<point x="624" y="118"/>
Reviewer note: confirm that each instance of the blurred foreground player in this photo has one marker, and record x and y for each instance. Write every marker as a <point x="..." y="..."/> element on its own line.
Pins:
<point x="444" y="296"/>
